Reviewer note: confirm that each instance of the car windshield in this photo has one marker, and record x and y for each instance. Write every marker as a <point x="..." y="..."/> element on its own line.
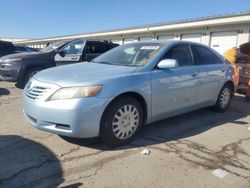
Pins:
<point x="54" y="46"/>
<point x="134" y="54"/>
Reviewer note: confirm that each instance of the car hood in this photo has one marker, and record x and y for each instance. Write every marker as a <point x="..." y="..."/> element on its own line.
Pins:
<point x="24" y="55"/>
<point x="81" y="73"/>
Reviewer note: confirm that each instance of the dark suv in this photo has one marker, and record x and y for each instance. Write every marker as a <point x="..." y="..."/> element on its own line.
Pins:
<point x="6" y="48"/>
<point x="20" y="49"/>
<point x="20" y="67"/>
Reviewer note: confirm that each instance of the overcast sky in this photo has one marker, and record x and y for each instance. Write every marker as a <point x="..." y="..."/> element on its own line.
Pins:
<point x="48" y="18"/>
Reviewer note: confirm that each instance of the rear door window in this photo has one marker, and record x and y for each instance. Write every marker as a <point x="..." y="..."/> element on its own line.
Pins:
<point x="203" y="56"/>
<point x="181" y="53"/>
<point x="21" y="49"/>
<point x="95" y="48"/>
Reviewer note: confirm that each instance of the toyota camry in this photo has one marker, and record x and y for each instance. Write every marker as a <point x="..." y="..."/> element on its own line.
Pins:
<point x="130" y="86"/>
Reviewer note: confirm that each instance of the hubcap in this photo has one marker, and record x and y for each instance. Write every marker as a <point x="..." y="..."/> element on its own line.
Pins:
<point x="125" y="121"/>
<point x="225" y="97"/>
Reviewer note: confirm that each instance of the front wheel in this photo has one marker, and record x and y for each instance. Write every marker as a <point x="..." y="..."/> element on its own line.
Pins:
<point x="224" y="98"/>
<point x="121" y="121"/>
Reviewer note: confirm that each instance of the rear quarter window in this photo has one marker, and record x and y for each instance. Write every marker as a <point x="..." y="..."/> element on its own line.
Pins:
<point x="204" y="56"/>
<point x="109" y="46"/>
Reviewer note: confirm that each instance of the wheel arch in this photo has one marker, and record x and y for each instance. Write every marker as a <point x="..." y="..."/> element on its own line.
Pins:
<point x="26" y="68"/>
<point x="132" y="94"/>
<point x="21" y="79"/>
<point x="231" y="84"/>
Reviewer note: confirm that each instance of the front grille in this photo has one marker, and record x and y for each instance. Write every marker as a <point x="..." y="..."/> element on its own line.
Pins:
<point x="36" y="92"/>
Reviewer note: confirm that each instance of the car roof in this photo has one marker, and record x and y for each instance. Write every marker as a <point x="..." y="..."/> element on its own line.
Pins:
<point x="99" y="40"/>
<point x="91" y="40"/>
<point x="171" y="42"/>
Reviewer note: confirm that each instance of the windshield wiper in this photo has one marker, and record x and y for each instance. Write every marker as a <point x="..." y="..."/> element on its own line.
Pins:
<point x="131" y="65"/>
<point x="103" y="62"/>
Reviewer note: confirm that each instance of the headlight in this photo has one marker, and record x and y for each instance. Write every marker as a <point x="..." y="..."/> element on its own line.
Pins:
<point x="12" y="60"/>
<point x="76" y="92"/>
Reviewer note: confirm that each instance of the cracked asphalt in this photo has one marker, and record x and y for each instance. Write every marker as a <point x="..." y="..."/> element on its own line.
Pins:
<point x="185" y="150"/>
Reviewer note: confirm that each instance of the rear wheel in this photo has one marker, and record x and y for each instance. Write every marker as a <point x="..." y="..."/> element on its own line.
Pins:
<point x="224" y="98"/>
<point x="121" y="121"/>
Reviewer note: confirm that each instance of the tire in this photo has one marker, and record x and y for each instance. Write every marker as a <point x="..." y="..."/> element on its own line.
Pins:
<point x="224" y="98"/>
<point x="121" y="121"/>
<point x="27" y="75"/>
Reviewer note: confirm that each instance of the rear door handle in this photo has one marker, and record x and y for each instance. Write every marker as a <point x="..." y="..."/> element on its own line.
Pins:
<point x="223" y="70"/>
<point x="194" y="74"/>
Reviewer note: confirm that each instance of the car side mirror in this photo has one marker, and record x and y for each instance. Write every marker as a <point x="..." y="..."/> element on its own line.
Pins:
<point x="167" y="63"/>
<point x="62" y="53"/>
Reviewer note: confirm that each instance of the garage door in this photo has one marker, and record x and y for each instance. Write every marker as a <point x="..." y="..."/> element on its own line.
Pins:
<point x="192" y="37"/>
<point x="166" y="37"/>
<point x="222" y="41"/>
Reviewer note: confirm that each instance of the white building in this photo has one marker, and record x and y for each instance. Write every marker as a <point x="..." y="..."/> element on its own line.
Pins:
<point x="219" y="32"/>
<point x="12" y="39"/>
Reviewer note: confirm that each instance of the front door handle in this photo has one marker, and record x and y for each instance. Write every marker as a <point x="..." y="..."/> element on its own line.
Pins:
<point x="74" y="58"/>
<point x="194" y="74"/>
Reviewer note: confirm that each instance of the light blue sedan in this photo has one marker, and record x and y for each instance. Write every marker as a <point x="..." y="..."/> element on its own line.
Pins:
<point x="127" y="87"/>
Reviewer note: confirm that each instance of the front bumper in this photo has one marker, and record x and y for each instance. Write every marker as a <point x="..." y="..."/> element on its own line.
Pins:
<point x="78" y="118"/>
<point x="9" y="72"/>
